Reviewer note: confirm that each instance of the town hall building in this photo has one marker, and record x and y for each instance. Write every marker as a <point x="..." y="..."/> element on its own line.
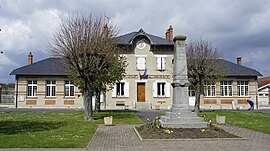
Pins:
<point x="146" y="85"/>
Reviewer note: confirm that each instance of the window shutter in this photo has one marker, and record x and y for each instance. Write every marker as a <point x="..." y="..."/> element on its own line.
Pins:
<point x="155" y="89"/>
<point x="101" y="97"/>
<point x="114" y="91"/>
<point x="167" y="89"/>
<point x="138" y="63"/>
<point x="126" y="89"/>
<point x="163" y="61"/>
<point x="159" y="63"/>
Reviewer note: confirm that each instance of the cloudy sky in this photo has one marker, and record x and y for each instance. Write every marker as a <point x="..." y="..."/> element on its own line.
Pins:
<point x="235" y="27"/>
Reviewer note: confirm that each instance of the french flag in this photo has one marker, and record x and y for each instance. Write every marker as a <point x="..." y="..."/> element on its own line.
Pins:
<point x="145" y="73"/>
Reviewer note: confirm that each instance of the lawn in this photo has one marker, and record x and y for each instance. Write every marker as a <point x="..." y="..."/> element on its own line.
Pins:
<point x="252" y="120"/>
<point x="21" y="129"/>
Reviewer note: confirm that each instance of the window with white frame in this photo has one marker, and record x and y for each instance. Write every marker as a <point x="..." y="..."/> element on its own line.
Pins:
<point x="242" y="88"/>
<point x="161" y="89"/>
<point x="32" y="88"/>
<point x="69" y="88"/>
<point x="140" y="63"/>
<point x="226" y="88"/>
<point x="121" y="89"/>
<point x="191" y="93"/>
<point x="209" y="89"/>
<point x="50" y="87"/>
<point x="161" y="63"/>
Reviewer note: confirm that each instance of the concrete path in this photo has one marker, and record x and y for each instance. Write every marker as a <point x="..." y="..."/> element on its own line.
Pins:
<point x="123" y="137"/>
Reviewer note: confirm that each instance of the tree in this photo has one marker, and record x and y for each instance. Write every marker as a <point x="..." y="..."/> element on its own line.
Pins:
<point x="87" y="44"/>
<point x="203" y="66"/>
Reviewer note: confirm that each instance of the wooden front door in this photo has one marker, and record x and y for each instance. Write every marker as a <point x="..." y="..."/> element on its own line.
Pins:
<point x="140" y="92"/>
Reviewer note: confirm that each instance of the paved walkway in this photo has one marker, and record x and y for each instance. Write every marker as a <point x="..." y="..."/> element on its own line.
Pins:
<point x="123" y="137"/>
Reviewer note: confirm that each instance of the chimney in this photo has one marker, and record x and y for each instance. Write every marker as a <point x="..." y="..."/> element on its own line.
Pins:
<point x="105" y="31"/>
<point x="30" y="58"/>
<point x="169" y="33"/>
<point x="238" y="60"/>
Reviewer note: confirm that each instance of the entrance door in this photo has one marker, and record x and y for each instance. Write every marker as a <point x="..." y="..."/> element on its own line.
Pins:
<point x="140" y="92"/>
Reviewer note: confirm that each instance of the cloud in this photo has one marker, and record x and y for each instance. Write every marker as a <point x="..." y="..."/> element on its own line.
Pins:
<point x="236" y="28"/>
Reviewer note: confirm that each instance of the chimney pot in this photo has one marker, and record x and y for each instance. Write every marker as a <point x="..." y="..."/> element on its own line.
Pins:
<point x="239" y="60"/>
<point x="30" y="58"/>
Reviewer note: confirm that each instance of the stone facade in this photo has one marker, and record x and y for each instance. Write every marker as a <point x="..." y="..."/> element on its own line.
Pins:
<point x="41" y="100"/>
<point x="153" y="76"/>
<point x="235" y="101"/>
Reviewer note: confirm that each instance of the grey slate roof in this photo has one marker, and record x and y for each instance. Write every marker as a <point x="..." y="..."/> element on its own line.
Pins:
<point x="49" y="66"/>
<point x="127" y="39"/>
<point x="232" y="69"/>
<point x="57" y="66"/>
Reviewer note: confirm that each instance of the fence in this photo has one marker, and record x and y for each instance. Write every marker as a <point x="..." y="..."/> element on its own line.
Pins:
<point x="7" y="96"/>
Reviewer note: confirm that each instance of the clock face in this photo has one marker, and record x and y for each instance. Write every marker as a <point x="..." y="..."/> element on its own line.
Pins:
<point x="140" y="44"/>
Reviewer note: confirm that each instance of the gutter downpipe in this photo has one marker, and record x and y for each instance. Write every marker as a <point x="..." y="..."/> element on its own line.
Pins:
<point x="257" y="101"/>
<point x="16" y="103"/>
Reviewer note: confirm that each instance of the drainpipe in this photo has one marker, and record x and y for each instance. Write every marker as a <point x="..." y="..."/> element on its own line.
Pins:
<point x="16" y="103"/>
<point x="257" y="103"/>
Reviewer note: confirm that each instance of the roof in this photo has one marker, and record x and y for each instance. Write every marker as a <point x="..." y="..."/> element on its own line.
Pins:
<point x="232" y="69"/>
<point x="263" y="81"/>
<point x="49" y="66"/>
<point x="57" y="66"/>
<point x="127" y="39"/>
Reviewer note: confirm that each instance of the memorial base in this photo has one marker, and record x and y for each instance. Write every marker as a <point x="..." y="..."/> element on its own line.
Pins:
<point x="184" y="118"/>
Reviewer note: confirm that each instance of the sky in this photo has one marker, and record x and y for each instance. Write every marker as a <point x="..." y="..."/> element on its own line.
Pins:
<point x="237" y="28"/>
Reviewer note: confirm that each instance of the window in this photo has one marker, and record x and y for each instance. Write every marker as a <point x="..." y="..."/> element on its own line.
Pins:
<point x="161" y="89"/>
<point x="31" y="88"/>
<point x="69" y="88"/>
<point x="209" y="89"/>
<point x="242" y="88"/>
<point x="121" y="89"/>
<point x="191" y="93"/>
<point x="226" y="88"/>
<point x="50" y="88"/>
<point x="161" y="63"/>
<point x="140" y="63"/>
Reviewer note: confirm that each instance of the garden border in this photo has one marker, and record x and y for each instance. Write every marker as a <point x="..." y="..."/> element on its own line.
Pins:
<point x="188" y="139"/>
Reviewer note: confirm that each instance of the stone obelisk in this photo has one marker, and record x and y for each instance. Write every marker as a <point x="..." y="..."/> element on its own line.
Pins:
<point x="180" y="115"/>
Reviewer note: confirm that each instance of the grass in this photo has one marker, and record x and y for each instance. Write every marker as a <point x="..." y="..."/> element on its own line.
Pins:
<point x="21" y="129"/>
<point x="253" y="120"/>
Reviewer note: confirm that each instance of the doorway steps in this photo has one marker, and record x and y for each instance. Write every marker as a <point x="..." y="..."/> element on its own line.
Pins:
<point x="143" y="106"/>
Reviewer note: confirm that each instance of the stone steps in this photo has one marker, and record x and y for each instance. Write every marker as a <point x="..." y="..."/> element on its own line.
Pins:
<point x="142" y="106"/>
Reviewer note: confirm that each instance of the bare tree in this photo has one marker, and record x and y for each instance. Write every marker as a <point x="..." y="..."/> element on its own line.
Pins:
<point x="88" y="46"/>
<point x="203" y="66"/>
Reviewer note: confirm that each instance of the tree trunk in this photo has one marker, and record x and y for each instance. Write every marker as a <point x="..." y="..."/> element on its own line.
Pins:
<point x="197" y="100"/>
<point x="88" y="104"/>
<point x="97" y="101"/>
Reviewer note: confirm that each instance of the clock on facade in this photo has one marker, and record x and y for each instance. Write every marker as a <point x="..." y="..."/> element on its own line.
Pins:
<point x="140" y="44"/>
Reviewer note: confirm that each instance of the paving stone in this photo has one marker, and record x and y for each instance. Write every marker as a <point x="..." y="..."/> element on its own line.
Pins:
<point x="123" y="137"/>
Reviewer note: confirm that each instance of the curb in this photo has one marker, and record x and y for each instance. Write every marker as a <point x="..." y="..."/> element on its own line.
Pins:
<point x="189" y="139"/>
<point x="88" y="146"/>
